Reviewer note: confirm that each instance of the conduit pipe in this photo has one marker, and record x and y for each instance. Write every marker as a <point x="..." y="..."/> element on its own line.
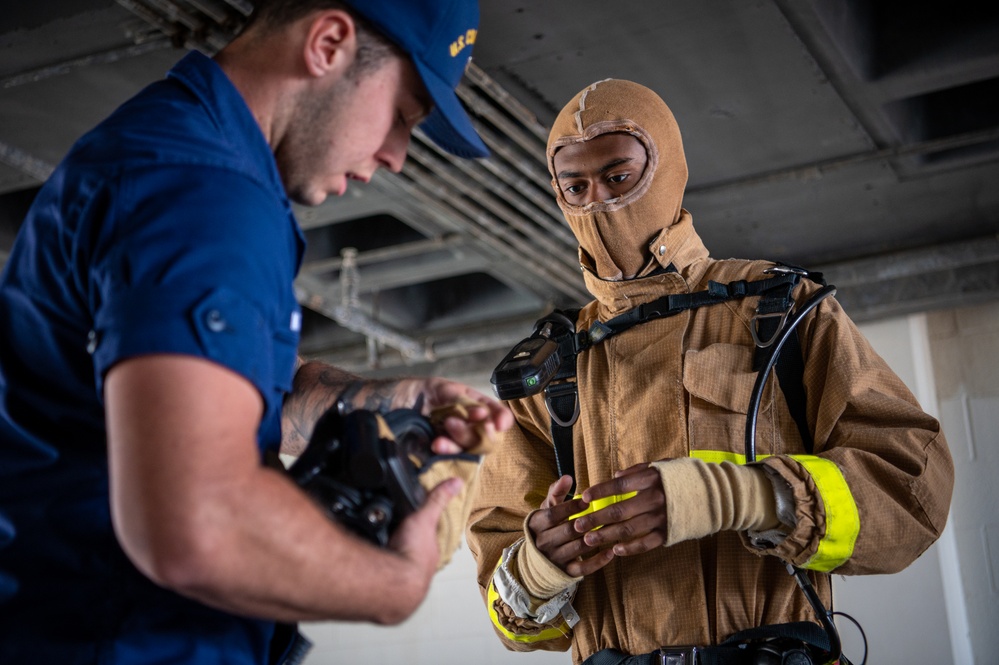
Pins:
<point x="517" y="249"/>
<point x="486" y="200"/>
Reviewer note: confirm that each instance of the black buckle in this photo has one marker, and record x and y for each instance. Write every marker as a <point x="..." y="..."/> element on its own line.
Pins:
<point x="685" y="655"/>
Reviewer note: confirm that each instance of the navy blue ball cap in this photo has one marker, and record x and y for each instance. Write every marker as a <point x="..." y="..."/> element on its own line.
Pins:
<point x="438" y="36"/>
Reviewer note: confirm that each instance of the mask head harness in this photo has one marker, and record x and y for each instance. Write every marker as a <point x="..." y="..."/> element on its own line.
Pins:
<point x="363" y="468"/>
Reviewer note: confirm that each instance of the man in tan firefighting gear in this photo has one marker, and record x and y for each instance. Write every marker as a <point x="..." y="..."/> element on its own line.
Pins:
<point x="701" y="550"/>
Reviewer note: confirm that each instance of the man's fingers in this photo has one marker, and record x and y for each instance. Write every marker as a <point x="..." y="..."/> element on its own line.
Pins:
<point x="557" y="492"/>
<point x="641" y="528"/>
<point x="416" y="537"/>
<point x="634" y="479"/>
<point x="631" y="469"/>
<point x="647" y="501"/>
<point x="467" y="425"/>
<point x="591" y="565"/>
<point x="556" y="517"/>
<point x="439" y="497"/>
<point x="639" y="546"/>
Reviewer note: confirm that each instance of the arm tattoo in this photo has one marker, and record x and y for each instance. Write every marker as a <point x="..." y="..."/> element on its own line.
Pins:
<point x="316" y="389"/>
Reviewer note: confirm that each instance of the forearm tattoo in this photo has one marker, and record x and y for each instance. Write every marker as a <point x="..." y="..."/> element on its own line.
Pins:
<point x="316" y="389"/>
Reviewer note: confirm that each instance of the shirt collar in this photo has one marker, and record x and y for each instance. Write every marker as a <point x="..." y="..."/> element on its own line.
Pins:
<point x="231" y="115"/>
<point x="235" y="122"/>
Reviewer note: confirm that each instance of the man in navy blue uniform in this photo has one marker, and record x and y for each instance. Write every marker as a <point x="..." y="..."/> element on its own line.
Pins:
<point x="148" y="340"/>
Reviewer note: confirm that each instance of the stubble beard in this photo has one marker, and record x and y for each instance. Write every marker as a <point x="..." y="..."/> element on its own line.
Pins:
<point x="303" y="154"/>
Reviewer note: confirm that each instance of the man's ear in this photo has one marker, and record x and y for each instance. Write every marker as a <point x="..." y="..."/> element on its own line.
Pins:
<point x="330" y="43"/>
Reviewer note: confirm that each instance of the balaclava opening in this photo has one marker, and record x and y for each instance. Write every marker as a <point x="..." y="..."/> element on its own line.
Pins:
<point x="614" y="235"/>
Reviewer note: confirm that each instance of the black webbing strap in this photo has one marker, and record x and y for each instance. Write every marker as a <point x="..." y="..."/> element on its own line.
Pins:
<point x="771" y="312"/>
<point x="806" y="631"/>
<point x="562" y="401"/>
<point x="676" y="303"/>
<point x="790" y="370"/>
<point x="719" y="655"/>
<point x="562" y="395"/>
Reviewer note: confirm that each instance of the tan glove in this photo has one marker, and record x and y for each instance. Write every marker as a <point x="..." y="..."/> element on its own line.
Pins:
<point x="452" y="522"/>
<point x="704" y="498"/>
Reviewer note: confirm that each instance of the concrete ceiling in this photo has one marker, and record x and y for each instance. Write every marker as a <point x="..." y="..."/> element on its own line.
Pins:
<point x="857" y="137"/>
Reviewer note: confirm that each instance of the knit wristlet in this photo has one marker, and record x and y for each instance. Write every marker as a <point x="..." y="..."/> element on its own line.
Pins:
<point x="704" y="498"/>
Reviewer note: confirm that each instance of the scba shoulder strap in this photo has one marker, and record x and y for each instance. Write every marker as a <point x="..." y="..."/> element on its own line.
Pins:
<point x="776" y="301"/>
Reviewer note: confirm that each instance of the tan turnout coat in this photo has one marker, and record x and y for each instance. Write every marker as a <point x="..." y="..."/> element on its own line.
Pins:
<point x="872" y="497"/>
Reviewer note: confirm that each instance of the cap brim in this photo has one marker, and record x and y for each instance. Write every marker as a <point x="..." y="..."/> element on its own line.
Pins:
<point x="448" y="124"/>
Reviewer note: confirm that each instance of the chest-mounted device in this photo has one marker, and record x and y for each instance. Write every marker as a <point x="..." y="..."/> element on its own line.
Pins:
<point x="534" y="361"/>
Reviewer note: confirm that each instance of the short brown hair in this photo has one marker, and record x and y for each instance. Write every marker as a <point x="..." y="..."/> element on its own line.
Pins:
<point x="373" y="48"/>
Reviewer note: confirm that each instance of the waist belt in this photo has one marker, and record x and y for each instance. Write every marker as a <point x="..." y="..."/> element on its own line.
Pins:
<point x="716" y="655"/>
<point x="795" y="643"/>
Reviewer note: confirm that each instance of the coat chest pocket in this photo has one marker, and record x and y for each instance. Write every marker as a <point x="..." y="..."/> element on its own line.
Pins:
<point x="719" y="381"/>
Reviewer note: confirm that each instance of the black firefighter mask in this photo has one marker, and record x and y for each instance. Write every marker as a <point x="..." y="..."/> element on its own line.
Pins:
<point x="614" y="235"/>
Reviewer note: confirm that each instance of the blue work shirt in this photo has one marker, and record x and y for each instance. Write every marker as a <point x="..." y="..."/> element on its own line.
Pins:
<point x="166" y="229"/>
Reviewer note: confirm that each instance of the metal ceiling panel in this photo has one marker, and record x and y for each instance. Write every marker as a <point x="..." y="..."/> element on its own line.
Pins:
<point x="858" y="136"/>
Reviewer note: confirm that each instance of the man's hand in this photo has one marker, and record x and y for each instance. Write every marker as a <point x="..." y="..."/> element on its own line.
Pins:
<point x="318" y="386"/>
<point x="466" y="420"/>
<point x="555" y="537"/>
<point x="415" y="539"/>
<point x="632" y="526"/>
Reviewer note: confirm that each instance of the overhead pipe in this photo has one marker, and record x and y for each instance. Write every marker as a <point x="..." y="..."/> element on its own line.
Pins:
<point x="505" y="100"/>
<point x="428" y="199"/>
<point x="527" y="140"/>
<point x="312" y="293"/>
<point x="25" y="163"/>
<point x="181" y="25"/>
<point x="390" y="253"/>
<point x="102" y="58"/>
<point x="518" y="250"/>
<point x="558" y="251"/>
<point x="242" y="6"/>
<point x="532" y="196"/>
<point x="449" y="344"/>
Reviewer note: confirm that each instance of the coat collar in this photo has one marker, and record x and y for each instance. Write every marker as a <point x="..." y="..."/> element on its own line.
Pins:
<point x="679" y="260"/>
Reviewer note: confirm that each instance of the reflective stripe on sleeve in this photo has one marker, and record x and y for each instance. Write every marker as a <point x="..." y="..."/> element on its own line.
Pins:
<point x="842" y="517"/>
<point x="547" y="634"/>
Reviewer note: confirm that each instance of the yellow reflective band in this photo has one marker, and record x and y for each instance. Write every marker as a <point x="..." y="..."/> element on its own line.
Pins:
<point x="719" y="456"/>
<point x="600" y="504"/>
<point x="842" y="516"/>
<point x="547" y="634"/>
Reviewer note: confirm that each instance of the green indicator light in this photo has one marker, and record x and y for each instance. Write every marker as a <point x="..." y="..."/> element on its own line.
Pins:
<point x="532" y="381"/>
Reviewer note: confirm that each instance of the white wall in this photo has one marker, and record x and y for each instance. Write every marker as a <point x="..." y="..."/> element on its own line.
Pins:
<point x="904" y="615"/>
<point x="450" y="628"/>
<point x="965" y="351"/>
<point x="918" y="616"/>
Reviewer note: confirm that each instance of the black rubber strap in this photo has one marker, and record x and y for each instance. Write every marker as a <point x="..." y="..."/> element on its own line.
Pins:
<point x="790" y="370"/>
